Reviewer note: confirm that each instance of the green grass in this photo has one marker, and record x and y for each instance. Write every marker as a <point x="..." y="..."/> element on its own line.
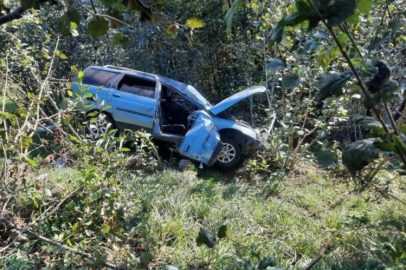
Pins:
<point x="289" y="224"/>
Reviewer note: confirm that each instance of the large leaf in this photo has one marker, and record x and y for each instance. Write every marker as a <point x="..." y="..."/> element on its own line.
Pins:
<point x="368" y="122"/>
<point x="275" y="65"/>
<point x="337" y="11"/>
<point x="73" y="15"/>
<point x="359" y="154"/>
<point x="332" y="84"/>
<point x="235" y="7"/>
<point x="64" y="25"/>
<point x="290" y="81"/>
<point x="364" y="6"/>
<point x="334" y="11"/>
<point x="97" y="27"/>
<point x="276" y="34"/>
<point x="206" y="238"/>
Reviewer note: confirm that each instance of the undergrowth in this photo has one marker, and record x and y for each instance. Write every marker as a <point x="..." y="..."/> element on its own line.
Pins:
<point x="151" y="221"/>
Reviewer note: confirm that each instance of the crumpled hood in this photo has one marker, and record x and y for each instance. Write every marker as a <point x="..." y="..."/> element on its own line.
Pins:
<point x="230" y="101"/>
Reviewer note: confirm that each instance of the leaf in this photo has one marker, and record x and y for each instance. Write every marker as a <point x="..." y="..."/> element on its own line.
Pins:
<point x="122" y="40"/>
<point x="106" y="229"/>
<point x="359" y="154"/>
<point x="235" y="7"/>
<point x="364" y="6"/>
<point x="368" y="122"/>
<point x="26" y="141"/>
<point x="275" y="65"/>
<point x="97" y="27"/>
<point x="64" y="25"/>
<point x="290" y="81"/>
<point x="334" y="11"/>
<point x="265" y="262"/>
<point x="403" y="129"/>
<point x="73" y="15"/>
<point x="332" y="84"/>
<point x="248" y="265"/>
<point x="145" y="257"/>
<point x="207" y="238"/>
<point x="385" y="145"/>
<point x="338" y="11"/>
<point x="276" y="34"/>
<point x="194" y="23"/>
<point x="222" y="231"/>
<point x="387" y="91"/>
<point x="31" y="162"/>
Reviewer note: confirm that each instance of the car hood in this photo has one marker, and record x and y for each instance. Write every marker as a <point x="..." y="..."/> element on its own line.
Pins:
<point x="230" y="101"/>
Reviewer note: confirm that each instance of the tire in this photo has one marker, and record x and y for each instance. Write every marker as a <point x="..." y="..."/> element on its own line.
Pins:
<point x="230" y="154"/>
<point x="101" y="125"/>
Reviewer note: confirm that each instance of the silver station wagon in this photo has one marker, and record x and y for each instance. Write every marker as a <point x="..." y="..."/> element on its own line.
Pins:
<point x="170" y="111"/>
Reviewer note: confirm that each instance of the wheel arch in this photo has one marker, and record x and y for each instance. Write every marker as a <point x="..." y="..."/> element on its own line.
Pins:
<point x="233" y="134"/>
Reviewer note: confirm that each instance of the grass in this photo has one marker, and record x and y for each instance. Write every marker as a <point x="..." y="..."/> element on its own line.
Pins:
<point x="288" y="222"/>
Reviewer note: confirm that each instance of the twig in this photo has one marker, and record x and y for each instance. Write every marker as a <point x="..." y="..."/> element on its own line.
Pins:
<point x="41" y="217"/>
<point x="322" y="251"/>
<point x="44" y="84"/>
<point x="6" y="173"/>
<point x="61" y="246"/>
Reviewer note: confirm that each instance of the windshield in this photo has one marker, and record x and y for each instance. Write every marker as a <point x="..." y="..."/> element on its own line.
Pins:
<point x="193" y="94"/>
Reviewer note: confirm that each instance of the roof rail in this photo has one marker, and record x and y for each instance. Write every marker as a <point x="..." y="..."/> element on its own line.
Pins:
<point x="118" y="68"/>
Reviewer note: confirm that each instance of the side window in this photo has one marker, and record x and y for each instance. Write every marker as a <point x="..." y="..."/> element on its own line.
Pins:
<point x="137" y="86"/>
<point x="99" y="78"/>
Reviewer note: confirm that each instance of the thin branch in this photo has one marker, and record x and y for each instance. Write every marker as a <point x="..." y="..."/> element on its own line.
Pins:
<point x="16" y="13"/>
<point x="54" y="243"/>
<point x="345" y="30"/>
<point x="41" y="217"/>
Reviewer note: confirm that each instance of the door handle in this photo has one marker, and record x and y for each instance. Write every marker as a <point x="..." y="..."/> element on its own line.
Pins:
<point x="116" y="95"/>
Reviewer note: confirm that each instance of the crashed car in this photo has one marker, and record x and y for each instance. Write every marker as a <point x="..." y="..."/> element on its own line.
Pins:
<point x="169" y="110"/>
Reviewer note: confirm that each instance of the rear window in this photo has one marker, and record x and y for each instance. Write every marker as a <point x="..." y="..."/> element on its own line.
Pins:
<point x="98" y="77"/>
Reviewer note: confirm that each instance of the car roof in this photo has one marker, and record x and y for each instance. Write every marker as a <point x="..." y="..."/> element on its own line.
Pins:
<point x="183" y="88"/>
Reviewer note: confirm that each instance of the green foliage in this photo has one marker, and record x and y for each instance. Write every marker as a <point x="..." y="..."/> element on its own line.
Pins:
<point x="97" y="27"/>
<point x="359" y="154"/>
<point x="332" y="84"/>
<point x="291" y="81"/>
<point x="369" y="123"/>
<point x="275" y="65"/>
<point x="235" y="7"/>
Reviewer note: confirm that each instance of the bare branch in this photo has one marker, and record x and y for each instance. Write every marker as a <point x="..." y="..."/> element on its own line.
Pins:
<point x="14" y="15"/>
<point x="323" y="250"/>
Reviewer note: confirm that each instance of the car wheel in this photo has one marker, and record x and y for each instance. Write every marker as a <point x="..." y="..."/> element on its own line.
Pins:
<point x="100" y="124"/>
<point x="230" y="153"/>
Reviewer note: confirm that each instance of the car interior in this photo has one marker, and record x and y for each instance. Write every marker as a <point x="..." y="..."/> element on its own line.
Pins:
<point x="137" y="86"/>
<point x="175" y="110"/>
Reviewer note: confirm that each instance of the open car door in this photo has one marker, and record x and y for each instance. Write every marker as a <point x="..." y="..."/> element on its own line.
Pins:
<point x="202" y="141"/>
